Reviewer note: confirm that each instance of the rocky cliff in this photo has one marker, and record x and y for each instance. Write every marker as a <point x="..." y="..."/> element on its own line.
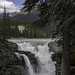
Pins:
<point x="10" y="64"/>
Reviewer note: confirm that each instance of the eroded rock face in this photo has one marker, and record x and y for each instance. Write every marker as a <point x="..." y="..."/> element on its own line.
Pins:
<point x="13" y="46"/>
<point x="58" y="58"/>
<point x="53" y="46"/>
<point x="32" y="59"/>
<point x="9" y="61"/>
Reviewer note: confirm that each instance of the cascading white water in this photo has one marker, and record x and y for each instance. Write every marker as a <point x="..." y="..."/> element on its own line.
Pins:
<point x="43" y="55"/>
<point x="26" y="59"/>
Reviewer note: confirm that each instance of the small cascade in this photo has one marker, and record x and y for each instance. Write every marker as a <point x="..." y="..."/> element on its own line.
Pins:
<point x="27" y="62"/>
<point x="43" y="56"/>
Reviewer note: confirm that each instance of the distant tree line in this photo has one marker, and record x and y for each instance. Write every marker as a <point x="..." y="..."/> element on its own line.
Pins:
<point x="10" y="28"/>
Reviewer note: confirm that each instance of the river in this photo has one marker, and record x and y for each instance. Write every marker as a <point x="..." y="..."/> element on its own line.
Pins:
<point x="39" y="47"/>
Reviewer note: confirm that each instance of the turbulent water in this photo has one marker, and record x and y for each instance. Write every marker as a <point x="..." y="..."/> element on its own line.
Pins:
<point x="26" y="59"/>
<point x="42" y="53"/>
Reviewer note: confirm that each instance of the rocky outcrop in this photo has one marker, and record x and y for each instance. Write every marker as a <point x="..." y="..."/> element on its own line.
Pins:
<point x="58" y="58"/>
<point x="8" y="59"/>
<point x="9" y="62"/>
<point x="53" y="46"/>
<point x="13" y="46"/>
<point x="32" y="59"/>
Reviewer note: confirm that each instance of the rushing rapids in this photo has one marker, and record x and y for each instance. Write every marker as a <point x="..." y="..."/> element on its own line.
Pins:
<point x="43" y="56"/>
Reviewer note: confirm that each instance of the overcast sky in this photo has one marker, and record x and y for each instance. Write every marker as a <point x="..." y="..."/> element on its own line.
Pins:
<point x="11" y="5"/>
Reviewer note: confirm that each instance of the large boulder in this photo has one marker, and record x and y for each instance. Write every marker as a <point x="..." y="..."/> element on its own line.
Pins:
<point x="53" y="46"/>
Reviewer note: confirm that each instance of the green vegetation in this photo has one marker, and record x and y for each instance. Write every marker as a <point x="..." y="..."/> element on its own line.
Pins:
<point x="56" y="16"/>
<point x="11" y="28"/>
<point x="62" y="14"/>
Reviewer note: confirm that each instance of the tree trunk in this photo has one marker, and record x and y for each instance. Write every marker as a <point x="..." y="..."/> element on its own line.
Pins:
<point x="66" y="52"/>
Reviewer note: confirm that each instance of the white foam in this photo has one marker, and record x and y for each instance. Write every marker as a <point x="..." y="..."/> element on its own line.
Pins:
<point x="43" y="55"/>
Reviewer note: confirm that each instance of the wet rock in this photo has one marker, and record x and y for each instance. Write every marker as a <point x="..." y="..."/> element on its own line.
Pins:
<point x="53" y="46"/>
<point x="57" y="57"/>
<point x="32" y="59"/>
<point x="10" y="64"/>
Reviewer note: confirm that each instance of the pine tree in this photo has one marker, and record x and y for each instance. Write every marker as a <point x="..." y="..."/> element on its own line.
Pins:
<point x="61" y="11"/>
<point x="6" y="25"/>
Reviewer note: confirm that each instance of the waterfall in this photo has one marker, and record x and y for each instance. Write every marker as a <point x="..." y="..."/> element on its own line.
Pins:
<point x="27" y="62"/>
<point x="42" y="54"/>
